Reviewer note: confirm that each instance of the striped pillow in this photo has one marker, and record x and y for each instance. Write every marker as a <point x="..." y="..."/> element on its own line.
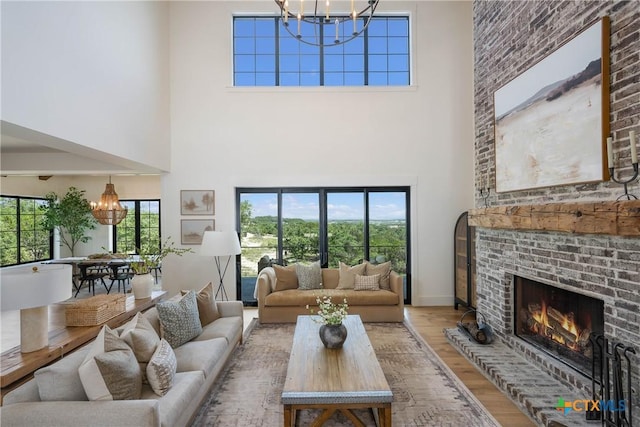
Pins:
<point x="367" y="283"/>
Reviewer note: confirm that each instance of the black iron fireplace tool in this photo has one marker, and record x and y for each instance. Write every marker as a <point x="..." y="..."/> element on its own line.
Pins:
<point x="476" y="328"/>
<point x="607" y="371"/>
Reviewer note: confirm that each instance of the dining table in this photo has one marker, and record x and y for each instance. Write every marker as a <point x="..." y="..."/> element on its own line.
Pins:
<point x="82" y="264"/>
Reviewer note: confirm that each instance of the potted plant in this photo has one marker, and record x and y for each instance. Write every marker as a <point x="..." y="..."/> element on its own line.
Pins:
<point x="332" y="332"/>
<point x="142" y="281"/>
<point x="72" y="215"/>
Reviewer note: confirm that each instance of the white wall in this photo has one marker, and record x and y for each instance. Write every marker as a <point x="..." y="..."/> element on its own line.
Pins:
<point x="127" y="187"/>
<point x="422" y="136"/>
<point x="94" y="74"/>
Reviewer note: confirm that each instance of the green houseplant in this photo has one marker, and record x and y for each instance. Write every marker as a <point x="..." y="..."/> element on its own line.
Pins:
<point x="71" y="214"/>
<point x="142" y="282"/>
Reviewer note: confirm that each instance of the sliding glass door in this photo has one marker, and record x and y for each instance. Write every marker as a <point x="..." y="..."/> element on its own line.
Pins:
<point x="332" y="225"/>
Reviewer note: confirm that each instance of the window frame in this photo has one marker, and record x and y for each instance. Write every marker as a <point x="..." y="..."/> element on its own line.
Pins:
<point x="321" y="56"/>
<point x="19" y="230"/>
<point x="137" y="225"/>
<point x="323" y="222"/>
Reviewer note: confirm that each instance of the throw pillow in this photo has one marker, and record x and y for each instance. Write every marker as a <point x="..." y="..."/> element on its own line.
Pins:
<point x="141" y="337"/>
<point x="348" y="275"/>
<point x="309" y="276"/>
<point x="286" y="277"/>
<point x="179" y="320"/>
<point x="162" y="368"/>
<point x="367" y="283"/>
<point x="207" y="306"/>
<point x="384" y="270"/>
<point x="110" y="370"/>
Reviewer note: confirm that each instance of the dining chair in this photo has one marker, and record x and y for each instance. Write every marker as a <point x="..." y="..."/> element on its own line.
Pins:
<point x="120" y="272"/>
<point x="90" y="273"/>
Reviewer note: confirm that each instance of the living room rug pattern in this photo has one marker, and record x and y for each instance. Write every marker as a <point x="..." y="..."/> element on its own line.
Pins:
<point x="425" y="391"/>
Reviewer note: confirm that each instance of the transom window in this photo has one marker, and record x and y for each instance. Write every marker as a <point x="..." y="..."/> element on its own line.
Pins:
<point x="23" y="238"/>
<point x="265" y="54"/>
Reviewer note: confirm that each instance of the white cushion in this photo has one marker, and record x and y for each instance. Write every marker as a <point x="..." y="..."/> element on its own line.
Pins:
<point x="110" y="370"/>
<point x="162" y="368"/>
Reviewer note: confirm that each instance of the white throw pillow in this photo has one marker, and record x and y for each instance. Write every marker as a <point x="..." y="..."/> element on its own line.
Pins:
<point x="162" y="368"/>
<point x="110" y="370"/>
<point x="141" y="337"/>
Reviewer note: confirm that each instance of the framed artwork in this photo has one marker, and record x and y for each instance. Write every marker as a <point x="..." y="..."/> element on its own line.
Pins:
<point x="192" y="230"/>
<point x="552" y="121"/>
<point x="197" y="202"/>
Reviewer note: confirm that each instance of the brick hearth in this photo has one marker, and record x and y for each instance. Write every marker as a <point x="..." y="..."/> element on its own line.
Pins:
<point x="531" y="388"/>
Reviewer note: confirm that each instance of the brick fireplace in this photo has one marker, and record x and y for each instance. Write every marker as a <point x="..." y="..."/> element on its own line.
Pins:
<point x="603" y="270"/>
<point x="509" y="37"/>
<point x="558" y="321"/>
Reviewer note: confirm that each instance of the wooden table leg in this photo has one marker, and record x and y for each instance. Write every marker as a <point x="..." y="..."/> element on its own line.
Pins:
<point x="385" y="415"/>
<point x="288" y="416"/>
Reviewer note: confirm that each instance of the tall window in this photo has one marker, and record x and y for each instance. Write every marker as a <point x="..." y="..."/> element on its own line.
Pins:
<point x="349" y="225"/>
<point x="265" y="54"/>
<point x="140" y="229"/>
<point x="23" y="239"/>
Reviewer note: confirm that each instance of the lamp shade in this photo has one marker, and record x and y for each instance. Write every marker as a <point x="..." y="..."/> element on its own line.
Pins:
<point x="220" y="243"/>
<point x="30" y="286"/>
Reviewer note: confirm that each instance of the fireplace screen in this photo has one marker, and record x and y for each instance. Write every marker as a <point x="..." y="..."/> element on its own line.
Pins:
<point x="558" y="321"/>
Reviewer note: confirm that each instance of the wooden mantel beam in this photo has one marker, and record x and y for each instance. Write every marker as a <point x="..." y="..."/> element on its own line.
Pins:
<point x="620" y="218"/>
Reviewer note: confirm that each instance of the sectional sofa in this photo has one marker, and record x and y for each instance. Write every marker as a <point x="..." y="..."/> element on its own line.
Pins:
<point x="55" y="397"/>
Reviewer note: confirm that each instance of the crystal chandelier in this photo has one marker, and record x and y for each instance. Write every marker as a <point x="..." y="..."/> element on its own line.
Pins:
<point x="331" y="27"/>
<point x="108" y="210"/>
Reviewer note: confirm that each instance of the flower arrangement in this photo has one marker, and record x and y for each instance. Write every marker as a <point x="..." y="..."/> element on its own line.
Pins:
<point x="330" y="313"/>
<point x="153" y="260"/>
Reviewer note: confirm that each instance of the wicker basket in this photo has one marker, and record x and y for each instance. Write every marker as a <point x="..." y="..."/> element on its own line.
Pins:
<point x="95" y="310"/>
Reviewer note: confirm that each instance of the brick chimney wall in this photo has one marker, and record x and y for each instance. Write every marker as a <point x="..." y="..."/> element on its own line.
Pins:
<point x="510" y="37"/>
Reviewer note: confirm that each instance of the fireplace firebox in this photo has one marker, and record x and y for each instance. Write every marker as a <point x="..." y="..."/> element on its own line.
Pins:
<point x="558" y="321"/>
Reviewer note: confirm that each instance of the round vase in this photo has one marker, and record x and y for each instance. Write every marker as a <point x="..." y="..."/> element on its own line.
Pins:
<point x="142" y="285"/>
<point x="333" y="336"/>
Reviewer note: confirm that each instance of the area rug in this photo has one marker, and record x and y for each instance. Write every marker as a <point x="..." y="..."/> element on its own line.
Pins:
<point x="425" y="391"/>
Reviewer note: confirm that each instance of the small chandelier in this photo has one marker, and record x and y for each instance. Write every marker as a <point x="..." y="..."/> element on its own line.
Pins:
<point x="108" y="210"/>
<point x="330" y="28"/>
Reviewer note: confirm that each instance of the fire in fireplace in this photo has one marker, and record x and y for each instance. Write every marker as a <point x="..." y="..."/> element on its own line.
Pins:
<point x="558" y="321"/>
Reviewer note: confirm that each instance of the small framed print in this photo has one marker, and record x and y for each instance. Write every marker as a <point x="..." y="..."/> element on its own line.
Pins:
<point x="192" y="230"/>
<point x="197" y="202"/>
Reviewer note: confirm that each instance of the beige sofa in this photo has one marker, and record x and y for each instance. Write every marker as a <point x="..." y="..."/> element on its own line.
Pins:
<point x="199" y="362"/>
<point x="286" y="305"/>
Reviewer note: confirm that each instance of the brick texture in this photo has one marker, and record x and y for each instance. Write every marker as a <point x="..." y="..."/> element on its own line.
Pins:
<point x="510" y="37"/>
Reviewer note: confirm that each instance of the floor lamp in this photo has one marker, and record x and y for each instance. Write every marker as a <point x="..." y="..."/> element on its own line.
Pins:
<point x="31" y="290"/>
<point x="220" y="244"/>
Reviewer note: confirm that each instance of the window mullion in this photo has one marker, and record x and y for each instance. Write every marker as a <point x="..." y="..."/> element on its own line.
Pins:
<point x="321" y="52"/>
<point x="366" y="52"/>
<point x="277" y="49"/>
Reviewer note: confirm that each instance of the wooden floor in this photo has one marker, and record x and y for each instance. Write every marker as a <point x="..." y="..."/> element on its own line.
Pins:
<point x="428" y="322"/>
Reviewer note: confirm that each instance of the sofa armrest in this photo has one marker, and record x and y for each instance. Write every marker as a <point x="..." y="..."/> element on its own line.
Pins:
<point x="96" y="414"/>
<point x="230" y="308"/>
<point x="397" y="286"/>
<point x="264" y="288"/>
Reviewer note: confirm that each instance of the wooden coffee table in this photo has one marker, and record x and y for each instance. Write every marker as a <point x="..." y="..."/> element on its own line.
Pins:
<point x="335" y="380"/>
